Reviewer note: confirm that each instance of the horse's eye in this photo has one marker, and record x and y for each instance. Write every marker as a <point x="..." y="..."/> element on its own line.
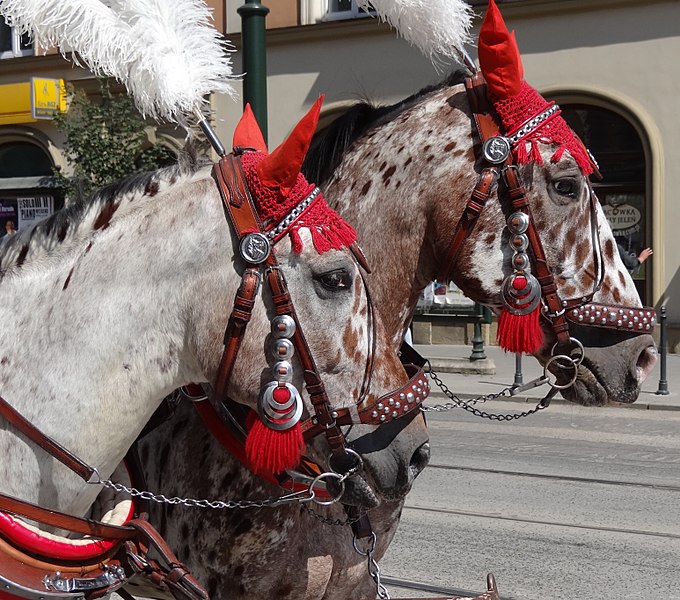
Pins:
<point x="567" y="187"/>
<point x="335" y="281"/>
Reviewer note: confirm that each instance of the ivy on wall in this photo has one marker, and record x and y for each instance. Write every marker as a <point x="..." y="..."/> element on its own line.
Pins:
<point x="105" y="141"/>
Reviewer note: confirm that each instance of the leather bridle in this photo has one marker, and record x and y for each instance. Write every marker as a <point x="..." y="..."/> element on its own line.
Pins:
<point x="499" y="169"/>
<point x="326" y="420"/>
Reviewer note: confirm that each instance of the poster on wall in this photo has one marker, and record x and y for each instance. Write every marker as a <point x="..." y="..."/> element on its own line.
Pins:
<point x="33" y="209"/>
<point x="8" y="216"/>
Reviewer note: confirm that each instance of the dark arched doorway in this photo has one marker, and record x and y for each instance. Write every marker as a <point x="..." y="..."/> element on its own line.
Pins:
<point x="623" y="190"/>
<point x="27" y="193"/>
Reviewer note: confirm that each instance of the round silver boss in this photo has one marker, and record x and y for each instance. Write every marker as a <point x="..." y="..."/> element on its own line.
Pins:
<point x="520" y="261"/>
<point x="283" y="349"/>
<point x="255" y="248"/>
<point x="283" y="371"/>
<point x="524" y="301"/>
<point x="518" y="222"/>
<point x="519" y="242"/>
<point x="273" y="419"/>
<point x="496" y="150"/>
<point x="283" y="326"/>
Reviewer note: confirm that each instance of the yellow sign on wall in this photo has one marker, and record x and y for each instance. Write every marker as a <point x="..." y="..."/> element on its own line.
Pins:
<point x="47" y="97"/>
<point x="28" y="101"/>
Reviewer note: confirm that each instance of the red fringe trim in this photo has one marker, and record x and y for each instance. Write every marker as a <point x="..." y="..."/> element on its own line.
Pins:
<point x="341" y="235"/>
<point x="555" y="158"/>
<point x="520" y="333"/>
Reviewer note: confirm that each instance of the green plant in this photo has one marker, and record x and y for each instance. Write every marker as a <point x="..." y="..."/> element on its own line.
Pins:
<point x="105" y="141"/>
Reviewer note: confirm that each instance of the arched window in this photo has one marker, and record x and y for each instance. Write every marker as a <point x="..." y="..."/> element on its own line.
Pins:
<point x="23" y="159"/>
<point x="27" y="192"/>
<point x="619" y="151"/>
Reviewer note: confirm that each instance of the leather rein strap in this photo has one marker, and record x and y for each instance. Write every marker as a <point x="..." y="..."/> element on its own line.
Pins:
<point x="136" y="537"/>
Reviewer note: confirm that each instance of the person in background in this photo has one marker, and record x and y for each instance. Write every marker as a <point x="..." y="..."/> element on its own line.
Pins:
<point x="631" y="261"/>
<point x="9" y="228"/>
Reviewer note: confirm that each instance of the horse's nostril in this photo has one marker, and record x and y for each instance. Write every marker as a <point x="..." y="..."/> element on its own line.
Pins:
<point x="420" y="459"/>
<point x="645" y="363"/>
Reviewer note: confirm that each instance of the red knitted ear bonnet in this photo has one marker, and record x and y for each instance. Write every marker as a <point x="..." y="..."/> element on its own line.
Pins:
<point x="278" y="187"/>
<point x="516" y="102"/>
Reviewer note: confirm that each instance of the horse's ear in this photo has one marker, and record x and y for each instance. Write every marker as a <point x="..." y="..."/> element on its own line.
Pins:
<point x="247" y="133"/>
<point x="280" y="169"/>
<point x="499" y="58"/>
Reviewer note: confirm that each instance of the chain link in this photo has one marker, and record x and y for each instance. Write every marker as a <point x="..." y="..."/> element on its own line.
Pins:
<point x="301" y="496"/>
<point x="469" y="405"/>
<point x="372" y="565"/>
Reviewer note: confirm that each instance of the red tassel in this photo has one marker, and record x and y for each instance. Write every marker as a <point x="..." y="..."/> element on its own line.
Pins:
<point x="297" y="241"/>
<point x="520" y="333"/>
<point x="273" y="451"/>
<point x="555" y="158"/>
<point x="535" y="153"/>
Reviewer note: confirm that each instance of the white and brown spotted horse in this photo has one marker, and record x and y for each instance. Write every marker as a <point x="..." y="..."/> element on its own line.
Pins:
<point x="427" y="156"/>
<point x="114" y="302"/>
<point x="403" y="175"/>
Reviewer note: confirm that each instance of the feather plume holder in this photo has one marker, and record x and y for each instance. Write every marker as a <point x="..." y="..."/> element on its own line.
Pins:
<point x="519" y="328"/>
<point x="275" y="441"/>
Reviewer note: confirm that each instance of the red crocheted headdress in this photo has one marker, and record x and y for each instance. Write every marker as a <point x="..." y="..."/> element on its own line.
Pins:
<point x="516" y="102"/>
<point x="278" y="187"/>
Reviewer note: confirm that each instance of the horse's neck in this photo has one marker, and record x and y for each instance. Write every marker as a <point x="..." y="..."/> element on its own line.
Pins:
<point x="96" y="337"/>
<point x="403" y="186"/>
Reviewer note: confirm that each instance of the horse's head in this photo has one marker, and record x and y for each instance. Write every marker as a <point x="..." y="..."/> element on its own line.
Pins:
<point x="311" y="326"/>
<point x="562" y="273"/>
<point x="590" y="277"/>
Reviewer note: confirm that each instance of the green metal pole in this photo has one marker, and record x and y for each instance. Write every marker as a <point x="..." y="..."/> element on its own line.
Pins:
<point x="254" y="50"/>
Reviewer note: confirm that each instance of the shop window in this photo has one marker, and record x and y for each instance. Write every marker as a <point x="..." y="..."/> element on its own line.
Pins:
<point x="27" y="195"/>
<point x="619" y="151"/>
<point x="23" y="159"/>
<point x="12" y="43"/>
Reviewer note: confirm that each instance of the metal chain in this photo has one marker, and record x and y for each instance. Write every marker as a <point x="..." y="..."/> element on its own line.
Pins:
<point x="306" y="495"/>
<point x="373" y="567"/>
<point x="301" y="496"/>
<point x="469" y="404"/>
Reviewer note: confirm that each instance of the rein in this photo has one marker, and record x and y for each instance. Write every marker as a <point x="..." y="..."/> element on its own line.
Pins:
<point x="500" y="170"/>
<point x="39" y="568"/>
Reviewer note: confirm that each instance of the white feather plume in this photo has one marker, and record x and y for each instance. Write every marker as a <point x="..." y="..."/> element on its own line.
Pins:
<point x="86" y="26"/>
<point x="439" y="28"/>
<point x="180" y="56"/>
<point x="166" y="52"/>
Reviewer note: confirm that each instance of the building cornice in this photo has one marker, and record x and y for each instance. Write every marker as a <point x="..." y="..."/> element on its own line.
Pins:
<point x="536" y="8"/>
<point x="512" y="9"/>
<point x="318" y="32"/>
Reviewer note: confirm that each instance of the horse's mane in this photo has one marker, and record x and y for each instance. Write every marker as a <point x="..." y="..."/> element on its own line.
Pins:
<point x="93" y="212"/>
<point x="331" y="143"/>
